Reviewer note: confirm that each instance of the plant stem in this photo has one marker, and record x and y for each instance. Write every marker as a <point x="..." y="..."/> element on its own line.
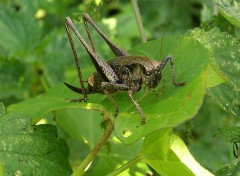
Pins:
<point x="127" y="165"/>
<point x="139" y="20"/>
<point x="110" y="126"/>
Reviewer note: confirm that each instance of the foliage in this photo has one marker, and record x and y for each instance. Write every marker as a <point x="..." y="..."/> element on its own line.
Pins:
<point x="19" y="157"/>
<point x="35" y="58"/>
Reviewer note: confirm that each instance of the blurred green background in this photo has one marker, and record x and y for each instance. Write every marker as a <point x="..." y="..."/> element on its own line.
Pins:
<point x="35" y="55"/>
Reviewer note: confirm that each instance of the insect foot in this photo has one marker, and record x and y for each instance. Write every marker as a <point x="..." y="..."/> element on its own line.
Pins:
<point x="77" y="99"/>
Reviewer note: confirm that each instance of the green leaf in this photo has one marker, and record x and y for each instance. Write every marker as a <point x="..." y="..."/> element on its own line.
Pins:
<point x="230" y="169"/>
<point x="171" y="108"/>
<point x="230" y="10"/>
<point x="168" y="155"/>
<point x="19" y="33"/>
<point x="156" y="145"/>
<point x="168" y="110"/>
<point x="214" y="78"/>
<point x="31" y="150"/>
<point x="226" y="55"/>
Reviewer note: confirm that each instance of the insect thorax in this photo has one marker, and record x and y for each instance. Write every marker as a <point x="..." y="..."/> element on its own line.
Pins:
<point x="132" y="71"/>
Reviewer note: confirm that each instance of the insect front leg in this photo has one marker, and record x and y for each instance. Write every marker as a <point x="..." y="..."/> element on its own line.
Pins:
<point x="112" y="87"/>
<point x="162" y="65"/>
<point x="122" y="87"/>
<point x="130" y="94"/>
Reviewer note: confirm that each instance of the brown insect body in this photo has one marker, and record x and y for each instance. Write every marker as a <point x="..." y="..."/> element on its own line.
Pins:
<point x="133" y="71"/>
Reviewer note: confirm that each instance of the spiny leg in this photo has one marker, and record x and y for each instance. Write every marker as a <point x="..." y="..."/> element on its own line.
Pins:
<point x="115" y="87"/>
<point x="164" y="62"/>
<point x="115" y="49"/>
<point x="122" y="87"/>
<point x="137" y="106"/>
<point x="89" y="35"/>
<point x="84" y="92"/>
<point x="110" y="98"/>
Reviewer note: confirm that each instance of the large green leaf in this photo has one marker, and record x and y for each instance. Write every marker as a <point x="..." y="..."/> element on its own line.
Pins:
<point x="172" y="107"/>
<point x="31" y="150"/>
<point x="225" y="52"/>
<point x="175" y="105"/>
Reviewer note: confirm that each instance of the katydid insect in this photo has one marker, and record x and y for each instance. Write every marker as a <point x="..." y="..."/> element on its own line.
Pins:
<point x="123" y="73"/>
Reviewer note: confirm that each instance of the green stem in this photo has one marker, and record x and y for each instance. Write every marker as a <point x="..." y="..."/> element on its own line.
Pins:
<point x="127" y="165"/>
<point x="139" y="20"/>
<point x="110" y="126"/>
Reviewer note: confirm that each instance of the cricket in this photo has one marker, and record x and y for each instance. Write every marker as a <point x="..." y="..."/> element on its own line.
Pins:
<point x="124" y="73"/>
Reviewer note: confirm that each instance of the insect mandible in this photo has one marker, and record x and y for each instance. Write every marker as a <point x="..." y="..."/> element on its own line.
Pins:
<point x="124" y="73"/>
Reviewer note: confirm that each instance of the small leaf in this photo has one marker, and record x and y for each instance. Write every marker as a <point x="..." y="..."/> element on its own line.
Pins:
<point x="156" y="145"/>
<point x="230" y="10"/>
<point x="31" y="150"/>
<point x="214" y="78"/>
<point x="168" y="155"/>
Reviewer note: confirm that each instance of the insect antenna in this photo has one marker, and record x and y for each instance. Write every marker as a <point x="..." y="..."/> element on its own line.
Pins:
<point x="166" y="26"/>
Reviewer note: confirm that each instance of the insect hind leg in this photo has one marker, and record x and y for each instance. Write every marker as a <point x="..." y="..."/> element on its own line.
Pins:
<point x="115" y="49"/>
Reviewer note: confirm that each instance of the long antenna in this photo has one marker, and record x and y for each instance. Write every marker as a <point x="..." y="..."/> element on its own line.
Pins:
<point x="166" y="26"/>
